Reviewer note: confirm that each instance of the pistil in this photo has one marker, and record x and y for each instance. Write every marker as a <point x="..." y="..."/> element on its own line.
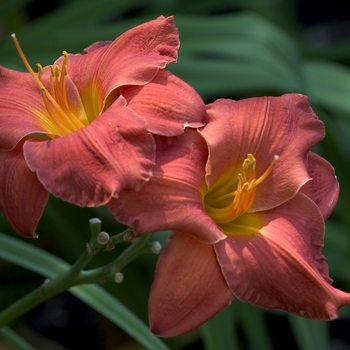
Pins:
<point x="55" y="101"/>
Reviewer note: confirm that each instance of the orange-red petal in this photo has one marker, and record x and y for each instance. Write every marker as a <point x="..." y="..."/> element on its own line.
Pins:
<point x="168" y="104"/>
<point x="188" y="287"/>
<point x="93" y="164"/>
<point x="173" y="198"/>
<point x="282" y="267"/>
<point x="323" y="189"/>
<point x="134" y="58"/>
<point x="267" y="126"/>
<point x="22" y="110"/>
<point x="23" y="198"/>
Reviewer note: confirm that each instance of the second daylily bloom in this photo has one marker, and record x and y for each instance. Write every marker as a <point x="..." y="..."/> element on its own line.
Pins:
<point x="246" y="200"/>
<point x="82" y="128"/>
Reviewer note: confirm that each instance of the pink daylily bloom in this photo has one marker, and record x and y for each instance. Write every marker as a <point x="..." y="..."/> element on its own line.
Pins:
<point x="82" y="128"/>
<point x="246" y="199"/>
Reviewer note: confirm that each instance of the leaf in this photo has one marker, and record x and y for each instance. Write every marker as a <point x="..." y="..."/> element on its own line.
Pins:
<point x="337" y="247"/>
<point x="44" y="263"/>
<point x="237" y="54"/>
<point x="254" y="326"/>
<point x="11" y="7"/>
<point x="329" y="84"/>
<point x="228" y="54"/>
<point x="219" y="333"/>
<point x="309" y="335"/>
<point x="14" y="339"/>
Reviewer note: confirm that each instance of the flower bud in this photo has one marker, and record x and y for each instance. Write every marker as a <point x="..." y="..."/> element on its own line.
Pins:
<point x="103" y="238"/>
<point x="156" y="247"/>
<point x="118" y="277"/>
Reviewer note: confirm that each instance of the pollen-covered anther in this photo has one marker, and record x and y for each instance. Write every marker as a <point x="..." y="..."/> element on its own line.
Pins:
<point x="40" y="71"/>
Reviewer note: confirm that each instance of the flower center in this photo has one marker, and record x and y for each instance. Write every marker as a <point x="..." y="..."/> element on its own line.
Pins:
<point x="233" y="194"/>
<point x="59" y="119"/>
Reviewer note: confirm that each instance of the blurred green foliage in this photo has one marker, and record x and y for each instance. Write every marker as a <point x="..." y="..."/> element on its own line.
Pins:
<point x="229" y="48"/>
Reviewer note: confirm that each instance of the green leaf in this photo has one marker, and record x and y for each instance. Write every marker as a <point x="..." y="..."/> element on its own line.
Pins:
<point x="227" y="54"/>
<point x="12" y="7"/>
<point x="254" y="326"/>
<point x="236" y="54"/>
<point x="329" y="84"/>
<point x="219" y="333"/>
<point x="309" y="335"/>
<point x="14" y="339"/>
<point x="39" y="261"/>
<point x="337" y="247"/>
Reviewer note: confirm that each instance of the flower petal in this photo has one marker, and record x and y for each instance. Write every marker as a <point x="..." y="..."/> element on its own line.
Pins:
<point x="93" y="164"/>
<point x="23" y="198"/>
<point x="188" y="287"/>
<point x="282" y="267"/>
<point x="134" y="58"/>
<point x="323" y="189"/>
<point x="20" y="108"/>
<point x="172" y="199"/>
<point x="168" y="104"/>
<point x="285" y="126"/>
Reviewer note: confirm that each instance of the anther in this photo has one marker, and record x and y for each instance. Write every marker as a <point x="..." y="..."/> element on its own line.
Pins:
<point x="40" y="71"/>
<point x="65" y="61"/>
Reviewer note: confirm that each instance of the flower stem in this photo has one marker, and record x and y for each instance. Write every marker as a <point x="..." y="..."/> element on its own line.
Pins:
<point x="76" y="276"/>
<point x="107" y="272"/>
<point x="32" y="299"/>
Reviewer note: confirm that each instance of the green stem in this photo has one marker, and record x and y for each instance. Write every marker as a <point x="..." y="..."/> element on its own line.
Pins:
<point x="92" y="249"/>
<point x="75" y="276"/>
<point x="32" y="299"/>
<point x="107" y="272"/>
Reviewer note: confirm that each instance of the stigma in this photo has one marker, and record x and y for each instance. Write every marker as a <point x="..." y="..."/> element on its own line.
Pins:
<point x="59" y="119"/>
<point x="234" y="194"/>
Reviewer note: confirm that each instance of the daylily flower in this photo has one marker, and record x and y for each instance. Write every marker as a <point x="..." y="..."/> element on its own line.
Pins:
<point x="82" y="128"/>
<point x="246" y="200"/>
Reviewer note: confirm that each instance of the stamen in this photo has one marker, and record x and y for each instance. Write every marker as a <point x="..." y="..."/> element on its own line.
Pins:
<point x="52" y="81"/>
<point x="59" y="112"/>
<point x="25" y="61"/>
<point x="56" y="120"/>
<point x="40" y="71"/>
<point x="266" y="173"/>
<point x="242" y="199"/>
<point x="64" y="72"/>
